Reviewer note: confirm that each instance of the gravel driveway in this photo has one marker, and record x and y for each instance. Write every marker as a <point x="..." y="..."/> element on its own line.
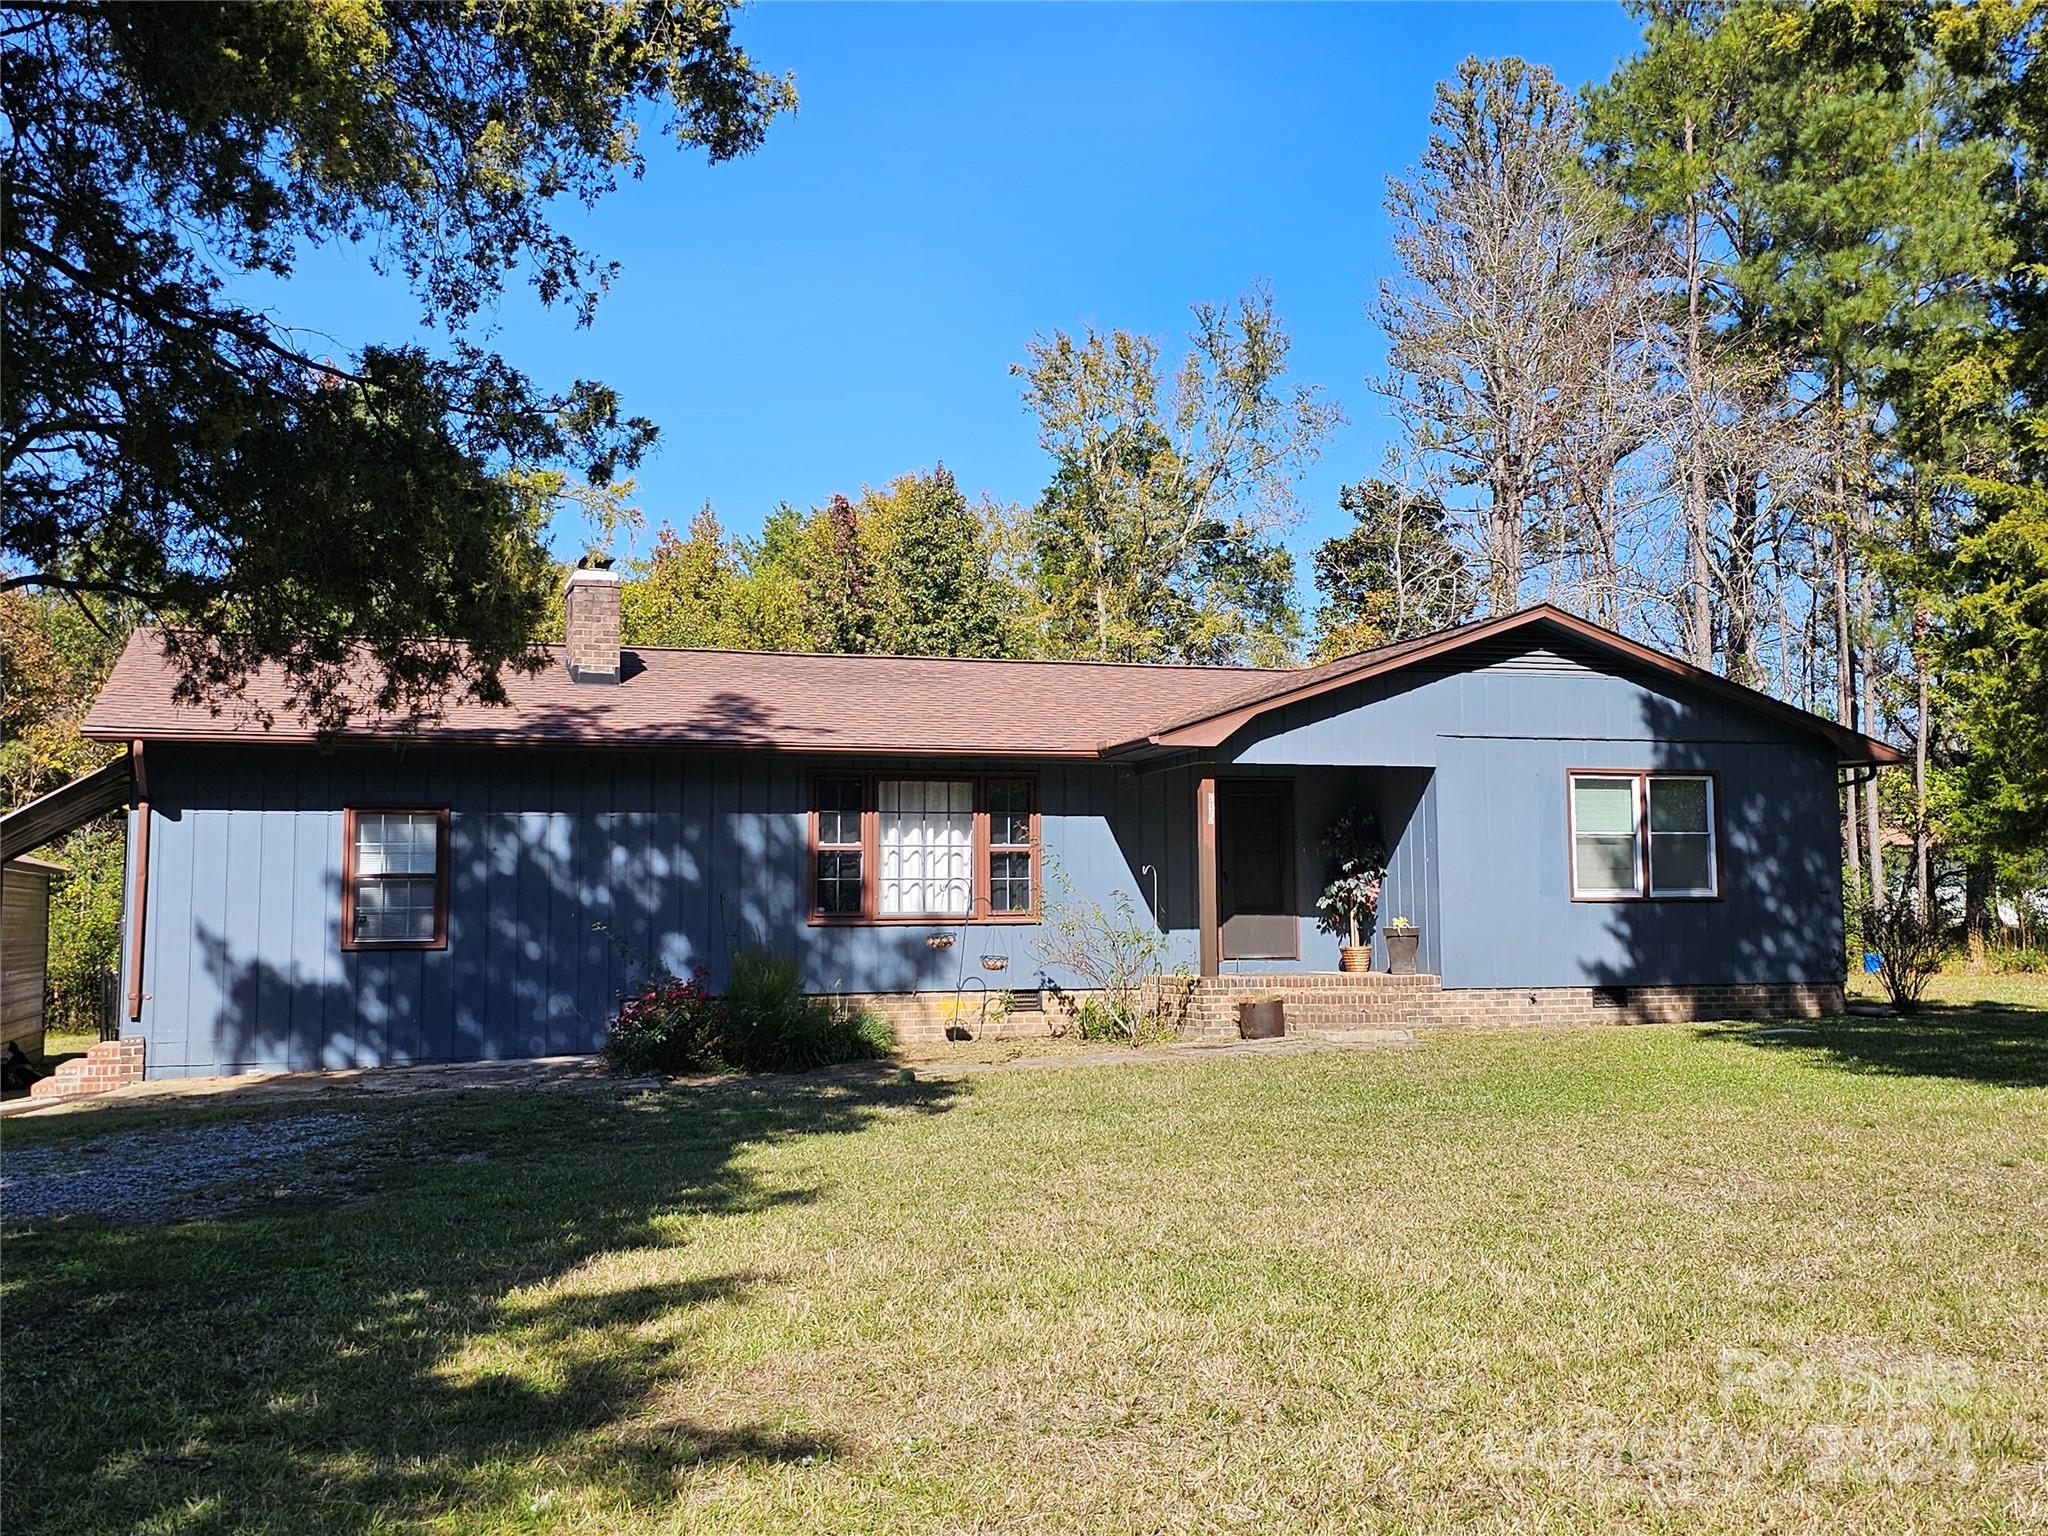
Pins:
<point x="158" y="1175"/>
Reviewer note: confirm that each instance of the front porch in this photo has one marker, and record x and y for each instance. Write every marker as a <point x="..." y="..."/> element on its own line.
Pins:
<point x="1260" y="869"/>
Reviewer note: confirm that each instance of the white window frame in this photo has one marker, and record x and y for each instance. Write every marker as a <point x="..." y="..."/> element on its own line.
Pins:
<point x="1713" y="886"/>
<point x="1642" y="862"/>
<point x="1571" y="796"/>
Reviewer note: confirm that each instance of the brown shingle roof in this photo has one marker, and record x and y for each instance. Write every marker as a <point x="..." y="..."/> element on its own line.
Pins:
<point x="920" y="705"/>
<point x="773" y="700"/>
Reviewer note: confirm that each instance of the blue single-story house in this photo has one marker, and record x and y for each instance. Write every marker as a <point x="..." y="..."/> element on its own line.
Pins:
<point x="1578" y="825"/>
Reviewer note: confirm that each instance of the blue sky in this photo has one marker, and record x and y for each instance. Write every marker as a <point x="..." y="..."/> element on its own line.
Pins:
<point x="843" y="305"/>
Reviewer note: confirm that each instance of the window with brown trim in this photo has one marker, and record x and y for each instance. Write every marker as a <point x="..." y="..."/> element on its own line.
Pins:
<point x="1636" y="834"/>
<point x="837" y="866"/>
<point x="899" y="848"/>
<point x="1012" y="847"/>
<point x="394" y="877"/>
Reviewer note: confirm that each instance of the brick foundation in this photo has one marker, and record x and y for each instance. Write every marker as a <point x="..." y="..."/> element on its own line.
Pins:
<point x="1484" y="1007"/>
<point x="1325" y="1000"/>
<point x="108" y="1065"/>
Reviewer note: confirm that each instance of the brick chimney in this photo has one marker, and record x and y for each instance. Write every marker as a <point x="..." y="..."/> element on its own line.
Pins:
<point x="591" y="609"/>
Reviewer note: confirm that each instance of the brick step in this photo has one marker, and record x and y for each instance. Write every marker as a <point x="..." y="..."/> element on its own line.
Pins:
<point x="107" y="1065"/>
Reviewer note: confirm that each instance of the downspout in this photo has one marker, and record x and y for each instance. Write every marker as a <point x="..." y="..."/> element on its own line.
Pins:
<point x="138" y="896"/>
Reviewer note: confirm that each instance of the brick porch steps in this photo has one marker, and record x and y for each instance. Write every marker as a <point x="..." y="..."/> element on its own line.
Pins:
<point x="108" y="1065"/>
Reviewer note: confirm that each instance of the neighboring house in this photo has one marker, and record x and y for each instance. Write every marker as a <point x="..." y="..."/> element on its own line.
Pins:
<point x="1580" y="827"/>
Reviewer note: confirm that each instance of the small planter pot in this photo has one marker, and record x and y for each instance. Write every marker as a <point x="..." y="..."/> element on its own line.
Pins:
<point x="1401" y="944"/>
<point x="1354" y="957"/>
<point x="1262" y="1018"/>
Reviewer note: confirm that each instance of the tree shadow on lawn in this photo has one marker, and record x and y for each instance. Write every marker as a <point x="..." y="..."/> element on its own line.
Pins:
<point x="351" y="1364"/>
<point x="1998" y="1045"/>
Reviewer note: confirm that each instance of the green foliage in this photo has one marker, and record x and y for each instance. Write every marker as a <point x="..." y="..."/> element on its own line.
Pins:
<point x="1117" y="953"/>
<point x="1995" y="645"/>
<point x="54" y="654"/>
<point x="172" y="447"/>
<point x="911" y="570"/>
<point x="1357" y="852"/>
<point x="773" y="1025"/>
<point x="85" y="923"/>
<point x="1158" y="537"/>
<point x="1397" y="574"/>
<point x="2017" y="959"/>
<point x="937" y="590"/>
<point x="1099" y="1025"/>
<point x="764" y="1022"/>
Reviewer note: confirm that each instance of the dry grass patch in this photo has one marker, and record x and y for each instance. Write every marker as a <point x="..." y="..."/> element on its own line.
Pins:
<point x="1649" y="1279"/>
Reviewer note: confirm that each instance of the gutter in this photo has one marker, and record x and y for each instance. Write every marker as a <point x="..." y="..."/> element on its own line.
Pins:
<point x="139" y="895"/>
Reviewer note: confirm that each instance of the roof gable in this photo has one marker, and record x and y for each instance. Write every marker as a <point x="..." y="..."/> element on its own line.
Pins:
<point x="1203" y="729"/>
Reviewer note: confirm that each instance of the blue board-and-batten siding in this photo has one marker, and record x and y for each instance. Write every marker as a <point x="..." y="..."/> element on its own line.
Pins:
<point x="1500" y="738"/>
<point x="682" y="857"/>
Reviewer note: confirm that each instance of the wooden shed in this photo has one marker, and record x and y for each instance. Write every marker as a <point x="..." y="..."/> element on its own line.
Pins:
<point x="24" y="950"/>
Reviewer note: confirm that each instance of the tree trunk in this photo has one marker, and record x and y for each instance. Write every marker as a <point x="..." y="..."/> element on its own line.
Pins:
<point x="1845" y="656"/>
<point x="1739" y="603"/>
<point x="1922" y="886"/>
<point x="1978" y="884"/>
<point x="1867" y="717"/>
<point x="1702" y="618"/>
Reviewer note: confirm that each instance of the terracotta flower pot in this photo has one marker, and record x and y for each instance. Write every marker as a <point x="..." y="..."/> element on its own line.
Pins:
<point x="1354" y="957"/>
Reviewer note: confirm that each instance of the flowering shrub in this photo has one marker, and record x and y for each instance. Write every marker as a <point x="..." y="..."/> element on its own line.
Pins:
<point x="765" y="1022"/>
<point x="673" y="1025"/>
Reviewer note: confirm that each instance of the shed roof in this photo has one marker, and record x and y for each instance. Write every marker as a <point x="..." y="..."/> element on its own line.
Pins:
<point x="910" y="705"/>
<point x="48" y="817"/>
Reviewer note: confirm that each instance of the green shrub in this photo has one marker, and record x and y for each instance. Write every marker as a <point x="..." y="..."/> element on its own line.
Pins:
<point x="2017" y="959"/>
<point x="773" y="1025"/>
<point x="764" y="1022"/>
<point x="1092" y="1021"/>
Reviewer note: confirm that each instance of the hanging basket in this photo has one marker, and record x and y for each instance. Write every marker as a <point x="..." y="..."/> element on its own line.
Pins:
<point x="995" y="962"/>
<point x="938" y="941"/>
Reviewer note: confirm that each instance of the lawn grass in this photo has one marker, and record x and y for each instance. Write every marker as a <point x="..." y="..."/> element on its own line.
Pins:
<point x="1622" y="1279"/>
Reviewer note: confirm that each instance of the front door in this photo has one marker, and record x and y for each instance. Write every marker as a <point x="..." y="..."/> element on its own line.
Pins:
<point x="1255" y="869"/>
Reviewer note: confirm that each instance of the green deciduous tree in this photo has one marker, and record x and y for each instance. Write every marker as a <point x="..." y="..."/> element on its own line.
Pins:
<point x="1158" y="537"/>
<point x="55" y="652"/>
<point x="913" y="569"/>
<point x="174" y="446"/>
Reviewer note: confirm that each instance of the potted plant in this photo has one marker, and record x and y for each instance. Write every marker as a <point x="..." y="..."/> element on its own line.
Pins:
<point x="1358" y="863"/>
<point x="1402" y="937"/>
